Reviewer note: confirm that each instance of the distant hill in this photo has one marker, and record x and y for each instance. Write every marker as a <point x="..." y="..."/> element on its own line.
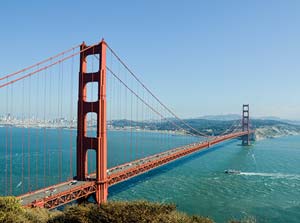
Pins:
<point x="264" y="128"/>
<point x="272" y="128"/>
<point x="228" y="117"/>
<point x="294" y="122"/>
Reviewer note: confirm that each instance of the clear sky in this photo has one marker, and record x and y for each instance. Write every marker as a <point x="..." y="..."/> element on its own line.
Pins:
<point x="200" y="57"/>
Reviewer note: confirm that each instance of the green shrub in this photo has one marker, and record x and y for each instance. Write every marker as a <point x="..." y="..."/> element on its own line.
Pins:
<point x="111" y="212"/>
<point x="249" y="219"/>
<point x="10" y="210"/>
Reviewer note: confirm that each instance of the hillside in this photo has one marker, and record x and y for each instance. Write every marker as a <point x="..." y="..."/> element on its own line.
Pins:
<point x="273" y="129"/>
<point x="110" y="212"/>
<point x="264" y="128"/>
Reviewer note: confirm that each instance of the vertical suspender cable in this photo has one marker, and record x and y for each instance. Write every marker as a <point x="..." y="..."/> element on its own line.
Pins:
<point x="23" y="133"/>
<point x="126" y="155"/>
<point x="125" y="131"/>
<point x="118" y="108"/>
<point x="71" y="118"/>
<point x="48" y="149"/>
<point x="44" y="131"/>
<point x="131" y="116"/>
<point x="142" y="127"/>
<point x="6" y="144"/>
<point x="58" y="121"/>
<point x="37" y="133"/>
<point x="136" y="133"/>
<point x="62" y="120"/>
<point x="29" y="128"/>
<point x="10" y="157"/>
<point x="81" y="107"/>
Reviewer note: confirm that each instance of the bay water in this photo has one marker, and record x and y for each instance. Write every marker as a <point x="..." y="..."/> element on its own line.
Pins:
<point x="267" y="187"/>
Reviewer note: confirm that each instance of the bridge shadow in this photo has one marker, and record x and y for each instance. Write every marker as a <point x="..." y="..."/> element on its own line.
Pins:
<point x="123" y="186"/>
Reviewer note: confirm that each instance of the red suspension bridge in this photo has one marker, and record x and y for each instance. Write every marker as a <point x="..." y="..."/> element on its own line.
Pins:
<point x="123" y="129"/>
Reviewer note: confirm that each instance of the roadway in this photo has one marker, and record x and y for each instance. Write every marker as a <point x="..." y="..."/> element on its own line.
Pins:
<point x="60" y="194"/>
<point x="70" y="185"/>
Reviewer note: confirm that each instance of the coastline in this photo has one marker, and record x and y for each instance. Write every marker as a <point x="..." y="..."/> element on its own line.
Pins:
<point x="261" y="133"/>
<point x="128" y="129"/>
<point x="273" y="132"/>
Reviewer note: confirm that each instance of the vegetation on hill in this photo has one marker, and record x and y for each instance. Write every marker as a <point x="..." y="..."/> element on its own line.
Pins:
<point x="265" y="128"/>
<point x="137" y="211"/>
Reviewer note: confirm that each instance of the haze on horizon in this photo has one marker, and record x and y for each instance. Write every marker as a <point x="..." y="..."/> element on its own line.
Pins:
<point x="200" y="58"/>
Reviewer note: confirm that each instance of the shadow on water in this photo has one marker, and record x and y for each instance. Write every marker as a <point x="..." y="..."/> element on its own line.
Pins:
<point x="240" y="157"/>
<point x="118" y="188"/>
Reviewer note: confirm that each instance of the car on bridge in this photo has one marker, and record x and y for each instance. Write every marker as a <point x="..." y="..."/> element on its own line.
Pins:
<point x="73" y="182"/>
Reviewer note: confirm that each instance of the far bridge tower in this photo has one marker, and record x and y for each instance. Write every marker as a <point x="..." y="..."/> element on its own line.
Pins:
<point x="246" y="125"/>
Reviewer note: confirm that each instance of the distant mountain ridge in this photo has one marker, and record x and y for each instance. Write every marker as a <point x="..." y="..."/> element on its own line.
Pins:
<point x="293" y="122"/>
<point x="213" y="125"/>
<point x="230" y="117"/>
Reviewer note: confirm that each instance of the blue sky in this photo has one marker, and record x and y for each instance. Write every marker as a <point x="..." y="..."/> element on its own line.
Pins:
<point x="199" y="57"/>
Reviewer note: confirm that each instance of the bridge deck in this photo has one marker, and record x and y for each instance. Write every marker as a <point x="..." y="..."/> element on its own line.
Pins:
<point x="60" y="194"/>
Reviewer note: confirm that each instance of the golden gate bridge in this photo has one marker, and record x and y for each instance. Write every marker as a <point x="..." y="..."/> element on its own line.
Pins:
<point x="39" y="142"/>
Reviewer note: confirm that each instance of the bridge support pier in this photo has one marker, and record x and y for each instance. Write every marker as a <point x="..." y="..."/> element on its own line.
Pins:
<point x="98" y="143"/>
<point x="245" y="125"/>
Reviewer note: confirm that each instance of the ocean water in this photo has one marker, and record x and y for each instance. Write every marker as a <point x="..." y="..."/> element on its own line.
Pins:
<point x="268" y="187"/>
<point x="33" y="158"/>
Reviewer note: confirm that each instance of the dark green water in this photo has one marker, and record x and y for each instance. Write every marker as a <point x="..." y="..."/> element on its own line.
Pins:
<point x="268" y="187"/>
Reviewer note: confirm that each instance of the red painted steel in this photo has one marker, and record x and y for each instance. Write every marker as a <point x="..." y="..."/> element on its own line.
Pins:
<point x="98" y="143"/>
<point x="146" y="164"/>
<point x="245" y="125"/>
<point x="67" y="192"/>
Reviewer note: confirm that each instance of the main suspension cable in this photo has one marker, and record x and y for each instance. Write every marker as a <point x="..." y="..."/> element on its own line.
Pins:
<point x="147" y="104"/>
<point x="150" y="92"/>
<point x="37" y="64"/>
<point x="45" y="67"/>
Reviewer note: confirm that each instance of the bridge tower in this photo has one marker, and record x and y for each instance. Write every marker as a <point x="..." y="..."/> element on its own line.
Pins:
<point x="98" y="143"/>
<point x="245" y="125"/>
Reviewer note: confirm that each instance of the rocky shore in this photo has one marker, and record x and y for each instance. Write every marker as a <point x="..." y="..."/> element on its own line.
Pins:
<point x="275" y="131"/>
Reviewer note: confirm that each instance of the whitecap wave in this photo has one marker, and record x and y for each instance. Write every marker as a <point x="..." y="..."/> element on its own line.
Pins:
<point x="19" y="184"/>
<point x="275" y="175"/>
